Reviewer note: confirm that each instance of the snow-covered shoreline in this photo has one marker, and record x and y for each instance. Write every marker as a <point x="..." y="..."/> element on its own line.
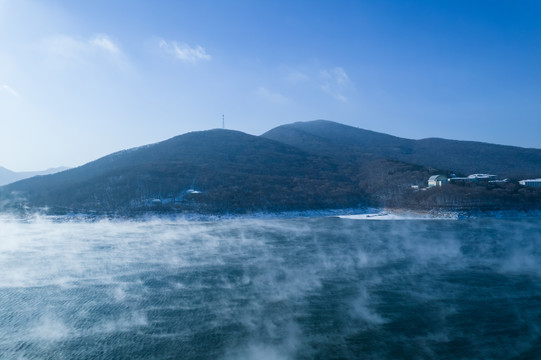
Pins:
<point x="401" y="215"/>
<point x="348" y="214"/>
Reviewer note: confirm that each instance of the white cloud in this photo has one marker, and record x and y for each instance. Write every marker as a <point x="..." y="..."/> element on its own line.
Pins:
<point x="272" y="97"/>
<point x="340" y="97"/>
<point x="64" y="46"/>
<point x="68" y="47"/>
<point x="296" y="77"/>
<point x="8" y="89"/>
<point x="104" y="42"/>
<point x="340" y="75"/>
<point x="335" y="82"/>
<point x="98" y="51"/>
<point x="336" y="75"/>
<point x="186" y="52"/>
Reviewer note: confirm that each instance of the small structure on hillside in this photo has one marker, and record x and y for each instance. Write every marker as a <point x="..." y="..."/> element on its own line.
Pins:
<point x="499" y="181"/>
<point x="482" y="177"/>
<point x="531" y="182"/>
<point x="437" y="180"/>
<point x="185" y="196"/>
<point x="473" y="178"/>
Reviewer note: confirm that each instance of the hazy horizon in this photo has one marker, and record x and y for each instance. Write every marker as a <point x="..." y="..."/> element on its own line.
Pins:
<point x="62" y="168"/>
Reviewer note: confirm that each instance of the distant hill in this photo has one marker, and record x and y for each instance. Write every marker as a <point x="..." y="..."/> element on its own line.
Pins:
<point x="8" y="176"/>
<point x="301" y="166"/>
<point x="461" y="157"/>
<point x="210" y="171"/>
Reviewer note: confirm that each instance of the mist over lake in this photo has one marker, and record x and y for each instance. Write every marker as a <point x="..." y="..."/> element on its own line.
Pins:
<point x="323" y="288"/>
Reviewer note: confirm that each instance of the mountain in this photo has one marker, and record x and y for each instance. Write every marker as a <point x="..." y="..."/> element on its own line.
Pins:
<point x="460" y="157"/>
<point x="8" y="176"/>
<point x="300" y="166"/>
<point x="210" y="171"/>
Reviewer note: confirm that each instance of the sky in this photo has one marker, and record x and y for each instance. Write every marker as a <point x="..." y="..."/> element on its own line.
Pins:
<point x="82" y="79"/>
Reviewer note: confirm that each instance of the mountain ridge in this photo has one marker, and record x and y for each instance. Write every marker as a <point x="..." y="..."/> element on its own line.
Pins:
<point x="229" y="170"/>
<point x="8" y="176"/>
<point x="300" y="166"/>
<point x="460" y="156"/>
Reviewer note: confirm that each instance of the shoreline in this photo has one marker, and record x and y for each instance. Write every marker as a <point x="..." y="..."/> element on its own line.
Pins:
<point x="368" y="213"/>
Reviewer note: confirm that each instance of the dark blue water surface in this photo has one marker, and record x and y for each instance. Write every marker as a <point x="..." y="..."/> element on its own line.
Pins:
<point x="311" y="288"/>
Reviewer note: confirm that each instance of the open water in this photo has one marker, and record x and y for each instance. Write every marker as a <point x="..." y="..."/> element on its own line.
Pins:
<point x="309" y="288"/>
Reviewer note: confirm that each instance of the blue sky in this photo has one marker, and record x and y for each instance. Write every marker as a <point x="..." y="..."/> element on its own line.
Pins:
<point x="81" y="79"/>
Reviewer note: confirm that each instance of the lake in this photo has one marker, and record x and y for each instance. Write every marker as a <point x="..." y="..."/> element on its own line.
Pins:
<point x="305" y="288"/>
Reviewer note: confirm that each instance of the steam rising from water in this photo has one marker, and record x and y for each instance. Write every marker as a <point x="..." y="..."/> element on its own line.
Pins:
<point x="270" y="289"/>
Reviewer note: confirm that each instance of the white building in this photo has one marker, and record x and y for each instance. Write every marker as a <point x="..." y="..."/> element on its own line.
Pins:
<point x="474" y="178"/>
<point x="482" y="177"/>
<point x="531" y="182"/>
<point x="437" y="180"/>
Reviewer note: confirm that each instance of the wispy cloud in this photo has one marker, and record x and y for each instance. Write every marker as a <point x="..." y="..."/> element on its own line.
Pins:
<point x="9" y="90"/>
<point x="185" y="52"/>
<point x="270" y="96"/>
<point x="104" y="42"/>
<point x="296" y="77"/>
<point x="334" y="82"/>
<point x="337" y="75"/>
<point x="63" y="46"/>
<point x="69" y="47"/>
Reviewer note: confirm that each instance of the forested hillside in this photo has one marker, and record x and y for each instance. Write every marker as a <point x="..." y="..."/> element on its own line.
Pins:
<point x="211" y="171"/>
<point x="460" y="157"/>
<point x="302" y="166"/>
